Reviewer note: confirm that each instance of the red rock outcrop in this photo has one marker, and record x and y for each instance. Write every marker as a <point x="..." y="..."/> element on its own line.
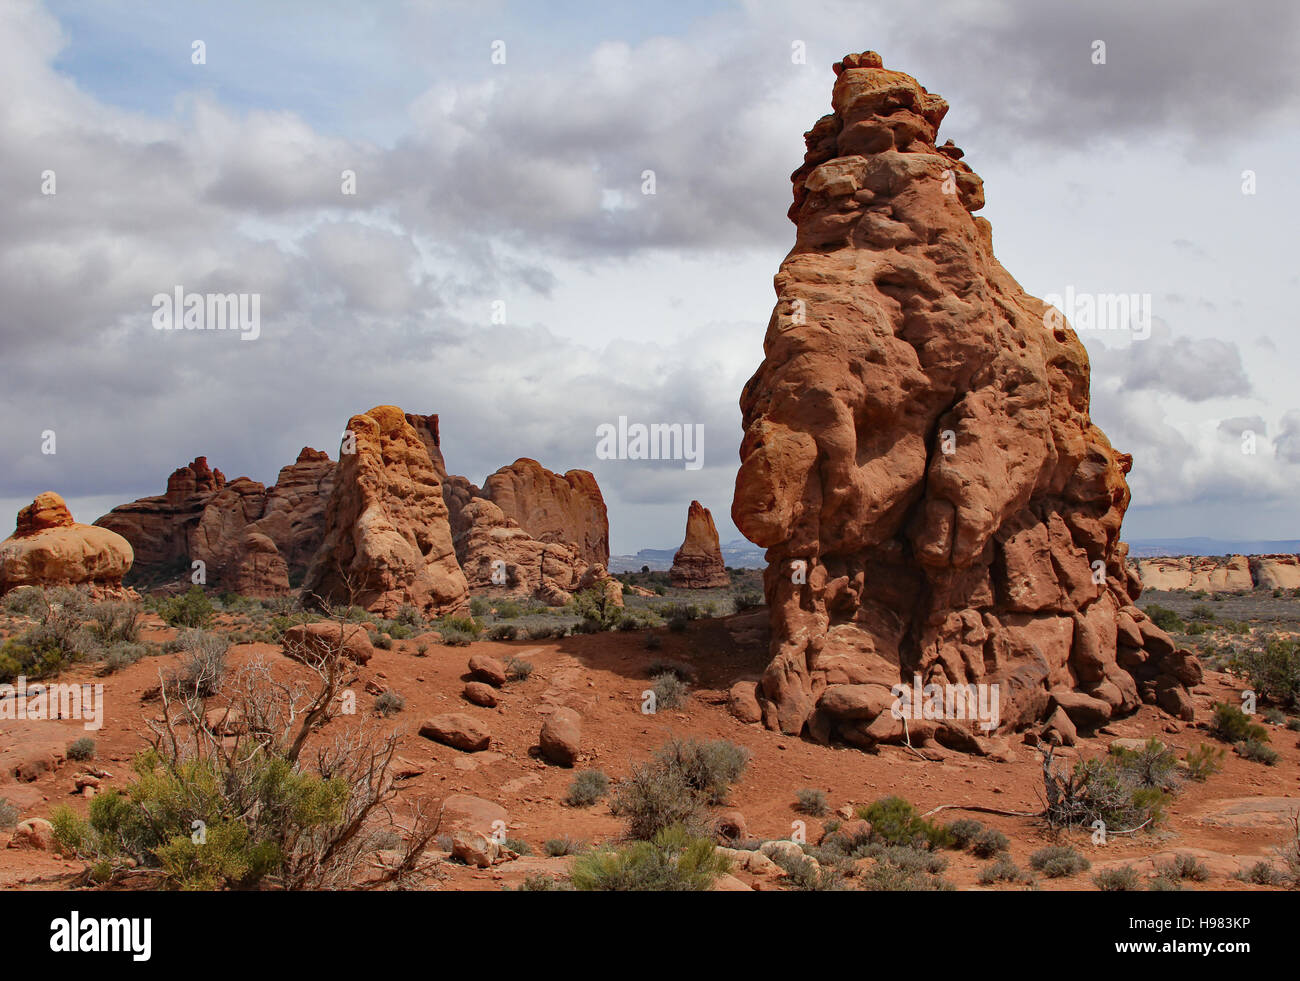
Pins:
<point x="698" y="563"/>
<point x="48" y="548"/>
<point x="251" y="540"/>
<point x="919" y="459"/>
<point x="387" y="538"/>
<point x="568" y="509"/>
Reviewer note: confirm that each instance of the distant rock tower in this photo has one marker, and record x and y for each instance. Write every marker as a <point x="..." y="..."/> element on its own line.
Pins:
<point x="698" y="563"/>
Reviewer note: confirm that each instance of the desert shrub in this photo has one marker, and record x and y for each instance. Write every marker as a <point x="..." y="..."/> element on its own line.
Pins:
<point x="25" y="601"/>
<point x="805" y="875"/>
<point x="1102" y="789"/>
<point x="409" y="616"/>
<point x="479" y="607"/>
<point x="673" y="861"/>
<point x="540" y="631"/>
<point x="1201" y="611"/>
<point x="1163" y="883"/>
<point x="1152" y="766"/>
<point x="517" y="669"/>
<point x="677" y="624"/>
<point x="639" y="618"/>
<point x="8" y="814"/>
<point x="895" y="821"/>
<point x="1165" y="618"/>
<point x="190" y="609"/>
<point x="518" y="846"/>
<point x="963" y="831"/>
<point x="1232" y="725"/>
<point x="465" y="625"/>
<point x="1293" y="724"/>
<point x="383" y="641"/>
<point x="538" y="882"/>
<point x="653" y="797"/>
<point x="811" y="800"/>
<point x="1274" y="716"/>
<point x="588" y="786"/>
<point x="1263" y="873"/>
<point x="709" y="768"/>
<point x="1003" y="870"/>
<point x="502" y="631"/>
<point x="884" y="877"/>
<point x="81" y="749"/>
<point x="988" y="843"/>
<point x="389" y="703"/>
<point x="1058" y="861"/>
<point x="653" y="642"/>
<point x="1123" y="878"/>
<point x="910" y="858"/>
<point x="1184" y="866"/>
<point x="507" y="609"/>
<point x="1272" y="669"/>
<point x="597" y="611"/>
<point x="203" y="664"/>
<point x="46" y="648"/>
<point x="1204" y="761"/>
<point x="669" y="690"/>
<point x="556" y="847"/>
<point x="456" y="636"/>
<point x="115" y="621"/>
<point x="747" y="601"/>
<point x="1256" y="752"/>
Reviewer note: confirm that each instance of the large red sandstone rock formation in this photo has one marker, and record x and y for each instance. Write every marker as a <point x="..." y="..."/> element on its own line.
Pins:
<point x="919" y="459"/>
<point x="48" y="548"/>
<point x="698" y="563"/>
<point x="387" y="538"/>
<point x="497" y="553"/>
<point x="251" y="540"/>
<point x="568" y="509"/>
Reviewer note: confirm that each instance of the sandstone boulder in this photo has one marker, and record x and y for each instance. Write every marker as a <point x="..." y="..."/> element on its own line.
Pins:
<point x="48" y="548"/>
<point x="561" y="736"/>
<point x="315" y="641"/>
<point x="457" y="730"/>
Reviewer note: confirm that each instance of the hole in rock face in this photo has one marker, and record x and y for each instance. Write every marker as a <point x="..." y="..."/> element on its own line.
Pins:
<point x="1059" y="335"/>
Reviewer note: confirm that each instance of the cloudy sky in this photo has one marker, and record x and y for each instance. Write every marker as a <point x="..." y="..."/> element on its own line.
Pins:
<point x="494" y="189"/>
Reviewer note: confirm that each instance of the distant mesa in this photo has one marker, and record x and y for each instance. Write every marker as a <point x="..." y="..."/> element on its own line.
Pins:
<point x="920" y="461"/>
<point x="698" y="563"/>
<point x="48" y="548"/>
<point x="1231" y="574"/>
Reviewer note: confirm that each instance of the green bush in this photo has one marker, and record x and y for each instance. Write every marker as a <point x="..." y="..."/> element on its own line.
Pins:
<point x="150" y="822"/>
<point x="812" y="801"/>
<point x="895" y="821"/>
<point x="1256" y="752"/>
<point x="25" y="601"/>
<point x="1263" y="874"/>
<point x="479" y="607"/>
<point x="1152" y="766"/>
<point x="502" y="632"/>
<point x="805" y="875"/>
<point x="389" y="703"/>
<point x="1232" y="725"/>
<point x="1003" y="870"/>
<point x="517" y="669"/>
<point x="202" y="667"/>
<point x="669" y="690"/>
<point x="963" y="831"/>
<point x="1123" y="878"/>
<point x="1058" y="861"/>
<point x="988" y="843"/>
<point x="1204" y="761"/>
<point x="456" y="637"/>
<point x="674" y="861"/>
<point x="883" y="877"/>
<point x="556" y="847"/>
<point x="383" y="642"/>
<point x="1165" y="618"/>
<point x="81" y="749"/>
<point x="47" y="648"/>
<point x="710" y="768"/>
<point x="507" y="609"/>
<point x="653" y="797"/>
<point x="191" y="609"/>
<point x="588" y="786"/>
<point x="597" y="611"/>
<point x="115" y="621"/>
<point x="1273" y="670"/>
<point x="1184" y="866"/>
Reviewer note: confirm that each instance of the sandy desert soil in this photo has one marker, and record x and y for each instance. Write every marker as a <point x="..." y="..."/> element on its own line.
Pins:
<point x="1239" y="816"/>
